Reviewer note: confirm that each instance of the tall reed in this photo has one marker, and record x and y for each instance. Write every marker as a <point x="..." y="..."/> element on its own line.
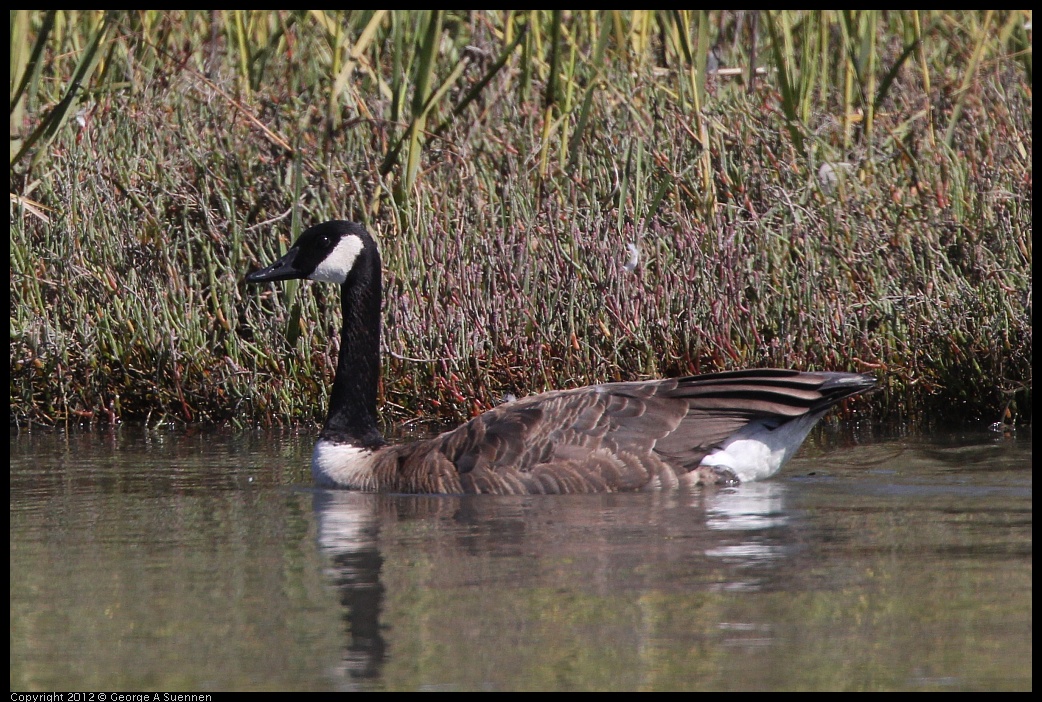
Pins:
<point x="849" y="190"/>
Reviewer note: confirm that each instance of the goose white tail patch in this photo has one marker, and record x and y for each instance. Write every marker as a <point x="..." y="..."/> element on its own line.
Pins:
<point x="336" y="266"/>
<point x="342" y="465"/>
<point x="759" y="451"/>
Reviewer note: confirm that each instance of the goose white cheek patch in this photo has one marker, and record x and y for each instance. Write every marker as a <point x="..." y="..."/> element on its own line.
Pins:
<point x="338" y="264"/>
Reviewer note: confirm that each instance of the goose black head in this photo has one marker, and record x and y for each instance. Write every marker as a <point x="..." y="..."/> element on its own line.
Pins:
<point x="327" y="252"/>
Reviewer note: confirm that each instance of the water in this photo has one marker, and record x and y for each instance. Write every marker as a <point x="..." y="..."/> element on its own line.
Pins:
<point x="206" y="561"/>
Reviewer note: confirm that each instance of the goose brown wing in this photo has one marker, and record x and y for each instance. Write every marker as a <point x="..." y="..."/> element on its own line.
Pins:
<point x="593" y="439"/>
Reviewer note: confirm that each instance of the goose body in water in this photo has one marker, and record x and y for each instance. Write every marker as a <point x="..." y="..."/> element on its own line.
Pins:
<point x="717" y="428"/>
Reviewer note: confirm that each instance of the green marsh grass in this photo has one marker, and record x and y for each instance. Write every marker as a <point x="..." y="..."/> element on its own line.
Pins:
<point x="505" y="160"/>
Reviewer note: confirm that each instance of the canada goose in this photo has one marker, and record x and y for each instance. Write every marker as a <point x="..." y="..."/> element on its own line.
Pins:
<point x="704" y="429"/>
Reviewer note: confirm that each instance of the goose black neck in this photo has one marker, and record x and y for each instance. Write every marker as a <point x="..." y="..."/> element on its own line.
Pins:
<point x="352" y="404"/>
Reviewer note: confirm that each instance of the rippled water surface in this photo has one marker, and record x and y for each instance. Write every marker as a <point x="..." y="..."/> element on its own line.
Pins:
<point x="144" y="560"/>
